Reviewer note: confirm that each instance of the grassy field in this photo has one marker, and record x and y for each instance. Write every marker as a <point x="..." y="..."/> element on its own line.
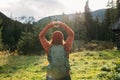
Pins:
<point x="85" y="65"/>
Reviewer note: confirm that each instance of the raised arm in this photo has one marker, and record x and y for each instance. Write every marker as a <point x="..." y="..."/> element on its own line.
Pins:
<point x="45" y="43"/>
<point x="70" y="38"/>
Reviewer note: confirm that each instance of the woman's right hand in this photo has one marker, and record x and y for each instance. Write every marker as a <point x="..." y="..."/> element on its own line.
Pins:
<point x="51" y="24"/>
<point x="56" y="24"/>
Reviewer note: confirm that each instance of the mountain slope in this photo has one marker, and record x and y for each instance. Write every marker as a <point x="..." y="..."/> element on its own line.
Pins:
<point x="25" y="19"/>
<point x="11" y="31"/>
<point x="98" y="13"/>
<point x="6" y="20"/>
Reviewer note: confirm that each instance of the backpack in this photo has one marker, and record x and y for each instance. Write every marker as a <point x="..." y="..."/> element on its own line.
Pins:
<point x="59" y="63"/>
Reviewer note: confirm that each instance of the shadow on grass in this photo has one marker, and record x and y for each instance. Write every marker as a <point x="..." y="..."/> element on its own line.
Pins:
<point x="14" y="64"/>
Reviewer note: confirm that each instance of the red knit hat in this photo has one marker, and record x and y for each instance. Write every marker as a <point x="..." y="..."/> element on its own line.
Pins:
<point x="57" y="37"/>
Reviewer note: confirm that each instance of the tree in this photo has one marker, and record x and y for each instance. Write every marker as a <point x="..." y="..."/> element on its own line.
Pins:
<point x="110" y="18"/>
<point x="97" y="29"/>
<point x="79" y="28"/>
<point x="111" y="11"/>
<point x="29" y="42"/>
<point x="1" y="44"/>
<point x="118" y="9"/>
<point x="65" y="19"/>
<point x="88" y="22"/>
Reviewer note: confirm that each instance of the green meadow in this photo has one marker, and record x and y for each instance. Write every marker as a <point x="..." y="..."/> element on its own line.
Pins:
<point x="85" y="65"/>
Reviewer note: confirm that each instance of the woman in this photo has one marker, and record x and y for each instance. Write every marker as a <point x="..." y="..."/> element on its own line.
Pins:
<point x="58" y="69"/>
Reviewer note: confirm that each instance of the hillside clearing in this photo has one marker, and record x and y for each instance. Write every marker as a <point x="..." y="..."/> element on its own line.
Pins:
<point x="85" y="65"/>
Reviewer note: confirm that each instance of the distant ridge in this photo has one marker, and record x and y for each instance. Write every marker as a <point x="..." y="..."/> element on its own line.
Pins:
<point x="98" y="13"/>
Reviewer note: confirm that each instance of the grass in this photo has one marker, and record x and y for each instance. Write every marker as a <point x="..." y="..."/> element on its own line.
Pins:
<point x="85" y="65"/>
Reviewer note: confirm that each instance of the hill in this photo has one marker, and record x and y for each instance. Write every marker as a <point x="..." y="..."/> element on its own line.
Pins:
<point x="98" y="13"/>
<point x="85" y="65"/>
<point x="6" y="19"/>
<point x="11" y="31"/>
<point x="25" y="19"/>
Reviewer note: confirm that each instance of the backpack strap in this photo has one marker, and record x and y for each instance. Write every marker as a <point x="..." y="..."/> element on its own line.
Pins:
<point x="48" y="56"/>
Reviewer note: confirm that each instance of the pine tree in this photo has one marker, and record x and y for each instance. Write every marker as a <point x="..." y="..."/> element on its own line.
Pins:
<point x="118" y="9"/>
<point x="111" y="11"/>
<point x="110" y="18"/>
<point x="80" y="30"/>
<point x="65" y="19"/>
<point x="29" y="42"/>
<point x="89" y="21"/>
<point x="1" y="44"/>
<point x="97" y="28"/>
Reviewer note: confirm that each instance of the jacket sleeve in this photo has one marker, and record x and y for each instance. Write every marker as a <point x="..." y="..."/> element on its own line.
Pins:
<point x="45" y="43"/>
<point x="70" y="38"/>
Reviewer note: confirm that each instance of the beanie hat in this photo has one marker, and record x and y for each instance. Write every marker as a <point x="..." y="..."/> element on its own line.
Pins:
<point x="57" y="37"/>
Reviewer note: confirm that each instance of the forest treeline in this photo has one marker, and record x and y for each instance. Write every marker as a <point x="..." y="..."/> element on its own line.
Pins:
<point x="24" y="37"/>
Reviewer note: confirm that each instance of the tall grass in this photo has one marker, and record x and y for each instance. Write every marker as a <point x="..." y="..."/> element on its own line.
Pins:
<point x="85" y="65"/>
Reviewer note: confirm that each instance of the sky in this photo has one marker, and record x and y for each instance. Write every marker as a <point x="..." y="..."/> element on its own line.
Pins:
<point x="43" y="8"/>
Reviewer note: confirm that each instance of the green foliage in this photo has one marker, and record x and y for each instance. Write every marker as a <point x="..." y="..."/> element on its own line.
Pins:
<point x="89" y="23"/>
<point x="107" y="24"/>
<point x="29" y="42"/>
<point x="26" y="42"/>
<point x="79" y="28"/>
<point x="110" y="18"/>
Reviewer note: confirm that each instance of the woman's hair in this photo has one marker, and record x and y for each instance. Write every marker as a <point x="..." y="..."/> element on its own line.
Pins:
<point x="57" y="38"/>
